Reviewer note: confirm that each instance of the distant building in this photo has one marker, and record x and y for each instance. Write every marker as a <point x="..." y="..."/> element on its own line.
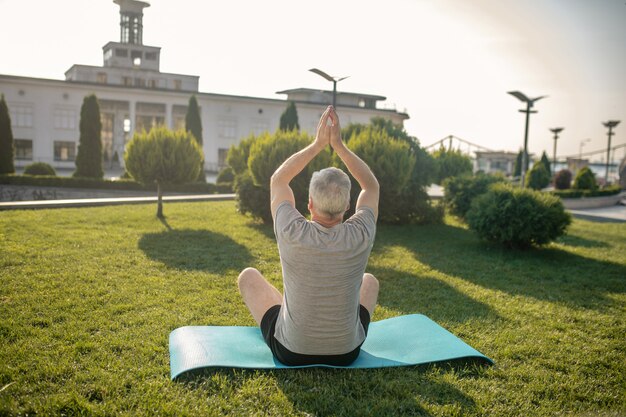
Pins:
<point x="491" y="162"/>
<point x="134" y="95"/>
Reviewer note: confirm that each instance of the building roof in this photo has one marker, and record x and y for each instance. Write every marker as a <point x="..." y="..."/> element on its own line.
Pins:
<point x="311" y="91"/>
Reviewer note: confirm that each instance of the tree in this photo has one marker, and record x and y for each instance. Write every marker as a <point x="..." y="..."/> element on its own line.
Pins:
<point x="585" y="180"/>
<point x="193" y="124"/>
<point x="517" y="170"/>
<point x="451" y="163"/>
<point x="6" y="139"/>
<point x="164" y="157"/>
<point x="89" y="156"/>
<point x="546" y="162"/>
<point x="538" y="177"/>
<point x="289" y="118"/>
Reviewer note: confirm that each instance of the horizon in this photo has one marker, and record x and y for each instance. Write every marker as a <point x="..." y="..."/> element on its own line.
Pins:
<point x="470" y="56"/>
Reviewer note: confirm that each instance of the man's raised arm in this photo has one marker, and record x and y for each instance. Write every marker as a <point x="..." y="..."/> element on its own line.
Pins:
<point x="360" y="171"/>
<point x="279" y="185"/>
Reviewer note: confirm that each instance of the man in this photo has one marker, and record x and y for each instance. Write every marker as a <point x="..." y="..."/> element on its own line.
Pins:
<point x="328" y="300"/>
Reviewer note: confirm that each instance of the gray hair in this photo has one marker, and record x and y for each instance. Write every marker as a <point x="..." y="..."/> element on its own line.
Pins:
<point x="330" y="191"/>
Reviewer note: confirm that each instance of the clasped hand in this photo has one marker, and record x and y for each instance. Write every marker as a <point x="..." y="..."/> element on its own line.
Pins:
<point x="328" y="129"/>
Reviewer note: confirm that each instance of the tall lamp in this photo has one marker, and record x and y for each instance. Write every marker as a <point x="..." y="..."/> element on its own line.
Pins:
<point x="334" y="80"/>
<point x="556" y="132"/>
<point x="610" y="124"/>
<point x="529" y="105"/>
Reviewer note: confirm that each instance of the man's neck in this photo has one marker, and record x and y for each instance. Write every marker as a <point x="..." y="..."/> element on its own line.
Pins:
<point x="328" y="223"/>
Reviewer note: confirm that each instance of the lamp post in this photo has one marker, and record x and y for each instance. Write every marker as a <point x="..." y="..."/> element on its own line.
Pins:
<point x="334" y="80"/>
<point x="556" y="132"/>
<point x="580" y="151"/>
<point x="610" y="124"/>
<point x="529" y="104"/>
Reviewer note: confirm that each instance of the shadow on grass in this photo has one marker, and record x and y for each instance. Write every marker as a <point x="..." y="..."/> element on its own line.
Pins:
<point x="195" y="250"/>
<point x="576" y="241"/>
<point x="409" y="293"/>
<point x="546" y="273"/>
<point x="349" y="392"/>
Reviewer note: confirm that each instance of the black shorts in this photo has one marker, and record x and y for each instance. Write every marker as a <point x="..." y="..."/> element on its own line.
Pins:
<point x="287" y="357"/>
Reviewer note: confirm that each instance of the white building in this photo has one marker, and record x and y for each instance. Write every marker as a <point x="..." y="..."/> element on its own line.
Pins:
<point x="491" y="162"/>
<point x="134" y="94"/>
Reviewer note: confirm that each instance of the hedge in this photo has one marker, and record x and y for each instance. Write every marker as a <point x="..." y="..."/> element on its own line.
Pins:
<point x="92" y="183"/>
<point x="573" y="193"/>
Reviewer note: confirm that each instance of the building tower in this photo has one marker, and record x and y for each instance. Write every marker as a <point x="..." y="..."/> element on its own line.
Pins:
<point x="131" y="14"/>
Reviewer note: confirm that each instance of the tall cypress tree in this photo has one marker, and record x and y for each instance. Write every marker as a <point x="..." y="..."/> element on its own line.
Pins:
<point x="193" y="124"/>
<point x="89" y="157"/>
<point x="517" y="169"/>
<point x="6" y="139"/>
<point x="289" y="118"/>
<point x="546" y="162"/>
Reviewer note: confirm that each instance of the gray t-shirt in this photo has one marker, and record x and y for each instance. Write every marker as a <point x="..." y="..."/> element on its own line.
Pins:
<point x="322" y="273"/>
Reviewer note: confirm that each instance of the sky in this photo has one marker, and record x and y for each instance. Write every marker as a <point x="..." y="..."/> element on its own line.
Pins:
<point x="448" y="63"/>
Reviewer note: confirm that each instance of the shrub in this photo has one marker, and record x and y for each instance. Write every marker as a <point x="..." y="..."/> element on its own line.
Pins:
<point x="392" y="163"/>
<point x="163" y="156"/>
<point x="585" y="180"/>
<point x="451" y="163"/>
<point x="237" y="157"/>
<point x="517" y="218"/>
<point x="289" y="118"/>
<point x="39" y="168"/>
<point x="563" y="179"/>
<point x="459" y="192"/>
<point x="538" y="177"/>
<point x="225" y="175"/>
<point x="267" y="153"/>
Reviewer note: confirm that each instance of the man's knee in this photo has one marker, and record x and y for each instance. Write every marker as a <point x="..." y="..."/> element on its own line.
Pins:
<point x="247" y="277"/>
<point x="370" y="280"/>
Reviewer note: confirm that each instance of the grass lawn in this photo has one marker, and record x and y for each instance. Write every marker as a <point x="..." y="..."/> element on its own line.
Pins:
<point x="88" y="298"/>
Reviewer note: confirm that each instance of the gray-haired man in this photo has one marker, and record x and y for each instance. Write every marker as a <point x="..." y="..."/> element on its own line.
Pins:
<point x="328" y="300"/>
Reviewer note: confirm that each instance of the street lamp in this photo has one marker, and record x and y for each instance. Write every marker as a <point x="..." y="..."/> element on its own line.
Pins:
<point x="529" y="104"/>
<point x="610" y="124"/>
<point x="580" y="150"/>
<point x="556" y="132"/>
<point x="334" y="80"/>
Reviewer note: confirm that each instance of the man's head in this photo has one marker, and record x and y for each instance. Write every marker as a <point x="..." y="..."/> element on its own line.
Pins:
<point x="329" y="193"/>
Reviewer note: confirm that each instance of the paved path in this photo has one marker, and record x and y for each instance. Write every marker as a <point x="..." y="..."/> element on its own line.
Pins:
<point x="603" y="214"/>
<point x="94" y="202"/>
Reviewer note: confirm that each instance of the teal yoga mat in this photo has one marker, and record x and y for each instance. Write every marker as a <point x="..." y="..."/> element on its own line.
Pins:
<point x="400" y="341"/>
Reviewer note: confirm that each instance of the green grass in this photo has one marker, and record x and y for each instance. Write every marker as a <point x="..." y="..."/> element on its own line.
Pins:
<point x="88" y="298"/>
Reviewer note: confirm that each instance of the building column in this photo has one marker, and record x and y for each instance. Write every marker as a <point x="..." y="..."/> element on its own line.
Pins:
<point x="132" y="116"/>
<point x="168" y="115"/>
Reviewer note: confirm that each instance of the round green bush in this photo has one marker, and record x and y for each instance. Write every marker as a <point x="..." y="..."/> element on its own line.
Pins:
<point x="225" y="175"/>
<point x="585" y="180"/>
<point x="39" y="168"/>
<point x="538" y="177"/>
<point x="459" y="192"/>
<point x="563" y="179"/>
<point x="163" y="156"/>
<point x="517" y="218"/>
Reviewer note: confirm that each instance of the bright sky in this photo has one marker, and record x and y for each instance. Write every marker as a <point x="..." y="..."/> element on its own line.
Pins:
<point x="449" y="63"/>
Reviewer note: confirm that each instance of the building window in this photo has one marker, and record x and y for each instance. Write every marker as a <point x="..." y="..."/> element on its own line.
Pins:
<point x="101" y="78"/>
<point x="64" y="151"/>
<point x="121" y="53"/>
<point x="151" y="56"/>
<point x="140" y="82"/>
<point x="227" y="129"/>
<point x="152" y="83"/>
<point x="127" y="81"/>
<point x="260" y="126"/>
<point x="64" y="119"/>
<point x="21" y="116"/>
<point x="221" y="158"/>
<point x="178" y="84"/>
<point x="23" y="149"/>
